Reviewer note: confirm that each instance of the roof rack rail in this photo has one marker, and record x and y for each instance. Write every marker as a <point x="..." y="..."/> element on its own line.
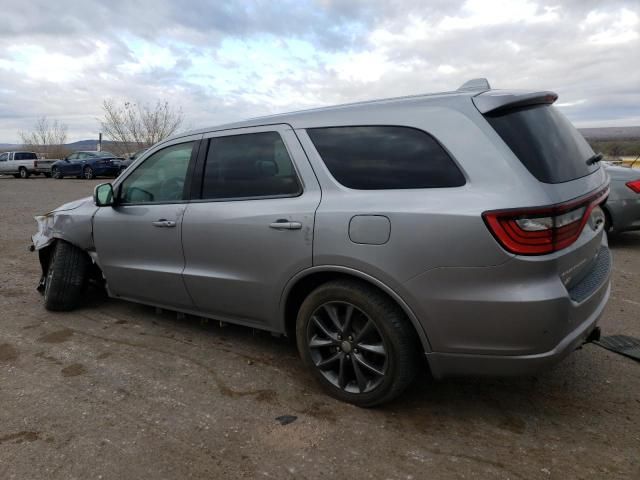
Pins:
<point x="475" y="84"/>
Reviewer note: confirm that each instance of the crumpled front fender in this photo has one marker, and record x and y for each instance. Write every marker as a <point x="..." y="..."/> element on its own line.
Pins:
<point x="72" y="222"/>
<point x="44" y="236"/>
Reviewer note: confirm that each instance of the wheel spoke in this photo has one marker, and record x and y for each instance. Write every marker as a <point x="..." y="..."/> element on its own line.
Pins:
<point x="365" y="330"/>
<point x="317" y="342"/>
<point x="328" y="361"/>
<point x="333" y="315"/>
<point x="377" y="348"/>
<point x="360" y="378"/>
<point x="342" y="377"/>
<point x="372" y="368"/>
<point x="347" y="319"/>
<point x="324" y="330"/>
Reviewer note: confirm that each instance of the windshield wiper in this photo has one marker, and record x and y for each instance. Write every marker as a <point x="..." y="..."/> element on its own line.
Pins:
<point x="594" y="159"/>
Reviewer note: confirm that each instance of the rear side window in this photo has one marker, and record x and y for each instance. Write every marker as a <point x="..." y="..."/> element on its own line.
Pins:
<point x="249" y="165"/>
<point x="545" y="142"/>
<point x="25" y="156"/>
<point x="381" y="158"/>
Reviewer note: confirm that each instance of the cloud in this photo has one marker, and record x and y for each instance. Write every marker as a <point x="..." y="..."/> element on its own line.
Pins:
<point x="223" y="61"/>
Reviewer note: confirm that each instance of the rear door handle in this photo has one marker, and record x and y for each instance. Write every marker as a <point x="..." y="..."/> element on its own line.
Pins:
<point x="284" y="225"/>
<point x="164" y="223"/>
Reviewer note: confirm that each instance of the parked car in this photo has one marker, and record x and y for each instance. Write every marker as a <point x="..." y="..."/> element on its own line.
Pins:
<point x="462" y="227"/>
<point x="126" y="163"/>
<point x="622" y="208"/>
<point x="18" y="164"/>
<point x="88" y="165"/>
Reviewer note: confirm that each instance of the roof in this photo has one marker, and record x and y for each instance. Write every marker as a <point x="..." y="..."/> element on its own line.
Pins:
<point x="471" y="88"/>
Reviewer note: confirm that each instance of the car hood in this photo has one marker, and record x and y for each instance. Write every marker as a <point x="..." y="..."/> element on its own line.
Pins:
<point x="73" y="205"/>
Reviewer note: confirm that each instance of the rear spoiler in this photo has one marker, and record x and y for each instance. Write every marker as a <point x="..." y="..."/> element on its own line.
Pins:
<point x="496" y="100"/>
<point x="488" y="100"/>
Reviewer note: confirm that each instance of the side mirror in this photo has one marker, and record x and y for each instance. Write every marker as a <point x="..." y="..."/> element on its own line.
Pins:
<point x="103" y="195"/>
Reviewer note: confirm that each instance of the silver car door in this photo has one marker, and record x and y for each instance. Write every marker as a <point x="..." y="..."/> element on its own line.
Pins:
<point x="252" y="230"/>
<point x="138" y="241"/>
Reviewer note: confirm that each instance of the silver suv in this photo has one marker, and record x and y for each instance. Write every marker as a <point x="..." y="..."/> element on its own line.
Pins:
<point x="464" y="226"/>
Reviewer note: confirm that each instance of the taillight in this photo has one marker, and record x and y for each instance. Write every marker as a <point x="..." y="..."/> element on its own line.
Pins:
<point x="542" y="230"/>
<point x="635" y="185"/>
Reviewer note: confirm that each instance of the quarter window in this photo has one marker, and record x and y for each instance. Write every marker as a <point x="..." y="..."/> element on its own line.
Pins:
<point x="248" y="166"/>
<point x="385" y="157"/>
<point x="160" y="178"/>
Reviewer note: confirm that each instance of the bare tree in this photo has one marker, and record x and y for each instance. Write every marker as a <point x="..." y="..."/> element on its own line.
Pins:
<point x="48" y="138"/>
<point x="135" y="126"/>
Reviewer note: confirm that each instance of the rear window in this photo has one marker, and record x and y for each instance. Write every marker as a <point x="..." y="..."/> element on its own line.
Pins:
<point x="545" y="142"/>
<point x="25" y="156"/>
<point x="381" y="157"/>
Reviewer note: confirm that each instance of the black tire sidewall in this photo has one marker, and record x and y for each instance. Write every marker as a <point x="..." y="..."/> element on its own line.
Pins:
<point x="87" y="170"/>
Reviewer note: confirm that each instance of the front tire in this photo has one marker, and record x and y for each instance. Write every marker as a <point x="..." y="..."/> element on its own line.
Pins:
<point x="66" y="278"/>
<point x="357" y="343"/>
<point x="56" y="173"/>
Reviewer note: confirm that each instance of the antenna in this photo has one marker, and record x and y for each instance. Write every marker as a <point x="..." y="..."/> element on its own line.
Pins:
<point x="475" y="85"/>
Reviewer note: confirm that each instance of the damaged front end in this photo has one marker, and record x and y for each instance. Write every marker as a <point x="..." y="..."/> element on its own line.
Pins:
<point x="71" y="222"/>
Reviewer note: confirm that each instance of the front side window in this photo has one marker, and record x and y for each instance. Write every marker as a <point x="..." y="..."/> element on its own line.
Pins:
<point x="73" y="156"/>
<point x="247" y="166"/>
<point x="160" y="178"/>
<point x="4" y="157"/>
<point x="385" y="157"/>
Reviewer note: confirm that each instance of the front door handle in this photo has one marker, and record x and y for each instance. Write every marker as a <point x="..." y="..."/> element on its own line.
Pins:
<point x="164" y="223"/>
<point x="285" y="225"/>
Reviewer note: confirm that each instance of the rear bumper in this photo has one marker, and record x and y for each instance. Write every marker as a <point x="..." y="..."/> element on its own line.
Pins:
<point x="457" y="364"/>
<point x="111" y="171"/>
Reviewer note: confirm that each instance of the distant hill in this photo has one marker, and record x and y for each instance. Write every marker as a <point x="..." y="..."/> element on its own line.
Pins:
<point x="611" y="133"/>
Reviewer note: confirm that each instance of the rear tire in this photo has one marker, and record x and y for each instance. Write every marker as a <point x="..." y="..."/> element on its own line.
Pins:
<point x="23" y="173"/>
<point x="88" y="174"/>
<point x="47" y="175"/>
<point x="357" y="343"/>
<point x="66" y="278"/>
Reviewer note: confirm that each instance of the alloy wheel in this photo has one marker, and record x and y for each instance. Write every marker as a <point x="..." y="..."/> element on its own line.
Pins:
<point x="88" y="173"/>
<point x="346" y="347"/>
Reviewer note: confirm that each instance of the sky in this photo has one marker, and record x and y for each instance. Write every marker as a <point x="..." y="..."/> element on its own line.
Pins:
<point x="225" y="61"/>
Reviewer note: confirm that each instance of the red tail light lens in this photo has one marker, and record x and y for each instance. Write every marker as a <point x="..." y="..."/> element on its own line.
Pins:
<point x="542" y="230"/>
<point x="635" y="185"/>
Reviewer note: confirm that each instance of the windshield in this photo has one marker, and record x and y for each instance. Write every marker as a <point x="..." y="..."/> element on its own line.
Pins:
<point x="545" y="142"/>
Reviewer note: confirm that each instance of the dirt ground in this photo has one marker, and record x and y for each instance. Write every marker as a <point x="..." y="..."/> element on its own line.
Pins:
<point x="116" y="391"/>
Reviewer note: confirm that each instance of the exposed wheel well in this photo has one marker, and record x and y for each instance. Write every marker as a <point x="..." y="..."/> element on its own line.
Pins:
<point x="44" y="255"/>
<point x="306" y="285"/>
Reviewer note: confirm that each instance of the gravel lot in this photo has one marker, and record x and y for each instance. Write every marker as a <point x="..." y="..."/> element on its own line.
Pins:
<point x="115" y="390"/>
